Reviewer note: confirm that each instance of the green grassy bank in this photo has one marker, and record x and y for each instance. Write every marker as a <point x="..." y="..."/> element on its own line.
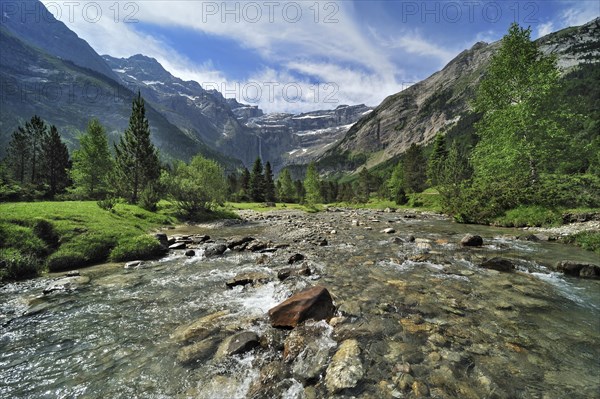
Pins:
<point x="57" y="236"/>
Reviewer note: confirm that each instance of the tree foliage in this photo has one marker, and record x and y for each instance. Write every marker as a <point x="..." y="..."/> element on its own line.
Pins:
<point x="136" y="158"/>
<point x="436" y="160"/>
<point x="414" y="164"/>
<point x="257" y="182"/>
<point x="197" y="187"/>
<point x="312" y="185"/>
<point x="269" y="184"/>
<point x="54" y="162"/>
<point x="92" y="162"/>
<point x="286" y="189"/>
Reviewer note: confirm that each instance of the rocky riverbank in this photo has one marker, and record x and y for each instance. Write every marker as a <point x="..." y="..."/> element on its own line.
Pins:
<point x="343" y="303"/>
<point x="449" y="328"/>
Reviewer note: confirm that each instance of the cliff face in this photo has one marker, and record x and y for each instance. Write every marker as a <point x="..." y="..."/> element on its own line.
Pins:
<point x="435" y="104"/>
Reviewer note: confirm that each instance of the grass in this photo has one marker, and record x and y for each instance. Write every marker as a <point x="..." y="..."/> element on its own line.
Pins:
<point x="589" y="240"/>
<point x="530" y="216"/>
<point x="72" y="234"/>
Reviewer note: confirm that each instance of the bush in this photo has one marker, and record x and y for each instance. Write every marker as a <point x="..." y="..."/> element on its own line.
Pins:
<point x="589" y="240"/>
<point x="15" y="265"/>
<point x="150" y="197"/>
<point x="65" y="259"/>
<point x="134" y="248"/>
<point x="108" y="204"/>
<point x="529" y="216"/>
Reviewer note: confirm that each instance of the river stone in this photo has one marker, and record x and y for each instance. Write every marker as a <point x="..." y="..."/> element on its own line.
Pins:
<point x="247" y="278"/>
<point x="419" y="389"/>
<point x="295" y="258"/>
<point x="575" y="269"/>
<point x="389" y="230"/>
<point x="313" y="303"/>
<point x="198" y="351"/>
<point x="345" y="369"/>
<point x="289" y="272"/>
<point x="238" y="242"/>
<point x="243" y="342"/>
<point x="190" y="253"/>
<point x="199" y="329"/>
<point x="66" y="284"/>
<point x="471" y="241"/>
<point x="215" y="250"/>
<point x="163" y="240"/>
<point x="134" y="264"/>
<point x="178" y="245"/>
<point x="499" y="264"/>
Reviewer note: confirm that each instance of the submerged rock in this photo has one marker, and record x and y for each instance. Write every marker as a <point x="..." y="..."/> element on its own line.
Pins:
<point x="248" y="278"/>
<point x="289" y="272"/>
<point x="66" y="284"/>
<point x="471" y="241"/>
<point x="499" y="264"/>
<point x="295" y="258"/>
<point x="313" y="303"/>
<point x="215" y="250"/>
<point x="345" y="369"/>
<point x="243" y="342"/>
<point x="199" y="329"/>
<point x="202" y="350"/>
<point x="576" y="269"/>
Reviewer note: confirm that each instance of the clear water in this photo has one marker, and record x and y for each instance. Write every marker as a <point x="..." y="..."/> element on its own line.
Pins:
<point x="529" y="334"/>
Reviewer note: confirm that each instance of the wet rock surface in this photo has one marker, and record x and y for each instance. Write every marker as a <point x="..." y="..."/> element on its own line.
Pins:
<point x="311" y="304"/>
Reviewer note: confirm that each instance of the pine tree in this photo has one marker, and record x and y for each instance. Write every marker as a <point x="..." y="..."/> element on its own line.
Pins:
<point x="363" y="189"/>
<point x="287" y="191"/>
<point x="36" y="130"/>
<point x="54" y="162"/>
<point x="92" y="163"/>
<point x="136" y="159"/>
<point x="18" y="154"/>
<point x="257" y="182"/>
<point x="414" y="169"/>
<point x="311" y="185"/>
<point x="269" y="184"/>
<point x="436" y="160"/>
<point x="454" y="172"/>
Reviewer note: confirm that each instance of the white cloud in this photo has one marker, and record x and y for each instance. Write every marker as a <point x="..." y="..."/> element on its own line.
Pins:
<point x="545" y="28"/>
<point x="578" y="13"/>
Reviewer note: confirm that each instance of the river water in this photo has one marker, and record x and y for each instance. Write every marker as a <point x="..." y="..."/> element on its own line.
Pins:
<point x="420" y="311"/>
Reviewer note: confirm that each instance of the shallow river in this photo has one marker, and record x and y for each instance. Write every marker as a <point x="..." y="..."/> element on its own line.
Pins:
<point x="421" y="311"/>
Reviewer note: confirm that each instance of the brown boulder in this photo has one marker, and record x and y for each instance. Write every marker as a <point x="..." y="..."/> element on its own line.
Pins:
<point x="313" y="303"/>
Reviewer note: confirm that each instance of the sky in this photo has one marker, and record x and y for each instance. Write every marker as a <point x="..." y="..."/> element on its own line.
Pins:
<point x="298" y="56"/>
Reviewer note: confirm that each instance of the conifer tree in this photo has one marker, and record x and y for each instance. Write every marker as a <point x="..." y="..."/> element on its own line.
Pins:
<point x="18" y="154"/>
<point x="287" y="191"/>
<point x="36" y="130"/>
<point x="269" y="183"/>
<point x="257" y="182"/>
<point x="414" y="169"/>
<point x="92" y="162"/>
<point x="312" y="185"/>
<point x="136" y="159"/>
<point x="54" y="162"/>
<point x="436" y="160"/>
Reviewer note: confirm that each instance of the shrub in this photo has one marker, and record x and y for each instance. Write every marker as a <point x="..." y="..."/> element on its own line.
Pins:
<point x="589" y="240"/>
<point x="108" y="204"/>
<point x="529" y="216"/>
<point x="65" y="259"/>
<point x="134" y="248"/>
<point x="150" y="197"/>
<point x="15" y="265"/>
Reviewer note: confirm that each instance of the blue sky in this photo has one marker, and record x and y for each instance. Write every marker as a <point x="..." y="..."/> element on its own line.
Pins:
<point x="293" y="56"/>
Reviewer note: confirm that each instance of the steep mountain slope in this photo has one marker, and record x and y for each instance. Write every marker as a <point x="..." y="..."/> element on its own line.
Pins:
<point x="202" y="114"/>
<point x="33" y="23"/>
<point x="441" y="101"/>
<point x="68" y="95"/>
